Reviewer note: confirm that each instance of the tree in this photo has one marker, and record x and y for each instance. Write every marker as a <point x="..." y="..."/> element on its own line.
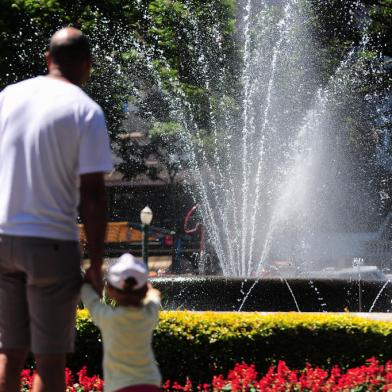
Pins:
<point x="161" y="156"/>
<point x="181" y="60"/>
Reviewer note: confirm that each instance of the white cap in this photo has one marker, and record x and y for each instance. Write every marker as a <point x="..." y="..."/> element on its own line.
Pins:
<point x="126" y="267"/>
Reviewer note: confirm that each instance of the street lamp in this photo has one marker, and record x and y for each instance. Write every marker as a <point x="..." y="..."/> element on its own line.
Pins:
<point x="358" y="262"/>
<point x="146" y="218"/>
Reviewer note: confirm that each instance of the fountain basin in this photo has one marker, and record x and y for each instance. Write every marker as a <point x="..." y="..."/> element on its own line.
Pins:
<point x="272" y="295"/>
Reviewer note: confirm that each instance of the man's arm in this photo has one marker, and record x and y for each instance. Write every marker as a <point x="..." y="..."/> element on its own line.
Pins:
<point x="93" y="208"/>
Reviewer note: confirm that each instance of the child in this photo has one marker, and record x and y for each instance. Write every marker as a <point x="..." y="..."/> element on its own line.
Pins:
<point x="128" y="363"/>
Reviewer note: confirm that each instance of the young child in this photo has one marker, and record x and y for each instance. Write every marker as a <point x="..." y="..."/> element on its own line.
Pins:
<point x="128" y="364"/>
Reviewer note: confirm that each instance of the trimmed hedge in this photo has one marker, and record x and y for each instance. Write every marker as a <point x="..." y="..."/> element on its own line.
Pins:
<point x="199" y="345"/>
<point x="88" y="345"/>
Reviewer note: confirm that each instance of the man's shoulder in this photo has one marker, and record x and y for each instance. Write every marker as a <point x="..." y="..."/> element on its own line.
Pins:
<point x="62" y="89"/>
<point x="19" y="85"/>
<point x="88" y="102"/>
<point x="83" y="100"/>
<point x="73" y="93"/>
<point x="14" y="91"/>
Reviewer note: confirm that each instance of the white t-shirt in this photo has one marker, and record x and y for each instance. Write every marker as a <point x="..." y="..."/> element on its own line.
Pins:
<point x="51" y="132"/>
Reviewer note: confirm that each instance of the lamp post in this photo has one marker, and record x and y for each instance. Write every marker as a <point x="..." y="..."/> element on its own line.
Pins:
<point x="358" y="262"/>
<point x="146" y="218"/>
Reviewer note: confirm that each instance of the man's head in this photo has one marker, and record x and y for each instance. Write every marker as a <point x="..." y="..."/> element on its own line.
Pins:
<point x="69" y="55"/>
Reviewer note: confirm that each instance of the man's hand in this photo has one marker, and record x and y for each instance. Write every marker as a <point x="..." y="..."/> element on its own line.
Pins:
<point x="94" y="277"/>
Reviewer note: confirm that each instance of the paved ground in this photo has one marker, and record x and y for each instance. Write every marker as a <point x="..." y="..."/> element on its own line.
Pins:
<point x="372" y="316"/>
<point x="376" y="316"/>
<point x="159" y="262"/>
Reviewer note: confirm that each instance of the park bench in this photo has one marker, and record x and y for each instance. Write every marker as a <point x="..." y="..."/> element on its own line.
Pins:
<point x="115" y="232"/>
<point x="127" y="237"/>
<point x="121" y="237"/>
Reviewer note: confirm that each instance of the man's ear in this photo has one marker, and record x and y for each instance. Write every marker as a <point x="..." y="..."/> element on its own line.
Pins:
<point x="48" y="59"/>
<point x="87" y="64"/>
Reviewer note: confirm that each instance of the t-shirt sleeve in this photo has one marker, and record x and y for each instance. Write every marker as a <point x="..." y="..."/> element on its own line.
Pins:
<point x="1" y="101"/>
<point x="1" y="109"/>
<point x="2" y="93"/>
<point x="95" y="154"/>
<point x="98" y="311"/>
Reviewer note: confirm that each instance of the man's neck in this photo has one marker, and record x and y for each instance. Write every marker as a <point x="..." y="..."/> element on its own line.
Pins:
<point x="57" y="74"/>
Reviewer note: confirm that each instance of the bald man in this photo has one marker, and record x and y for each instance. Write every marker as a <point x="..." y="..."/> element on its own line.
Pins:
<point x="54" y="150"/>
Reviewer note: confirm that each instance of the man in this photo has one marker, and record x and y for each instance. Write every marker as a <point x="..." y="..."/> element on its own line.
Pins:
<point x="54" y="149"/>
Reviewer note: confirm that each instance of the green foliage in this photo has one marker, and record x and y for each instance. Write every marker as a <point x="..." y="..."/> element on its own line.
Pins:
<point x="173" y="34"/>
<point x="169" y="145"/>
<point x="202" y="344"/>
<point x="88" y="344"/>
<point x="193" y="55"/>
<point x="165" y="131"/>
<point x="381" y="27"/>
<point x="165" y="141"/>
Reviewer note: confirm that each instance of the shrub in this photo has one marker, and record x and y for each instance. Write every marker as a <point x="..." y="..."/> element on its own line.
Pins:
<point x="88" y="345"/>
<point x="200" y="345"/>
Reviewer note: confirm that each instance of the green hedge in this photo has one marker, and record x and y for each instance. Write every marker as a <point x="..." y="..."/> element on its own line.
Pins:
<point x="199" y="345"/>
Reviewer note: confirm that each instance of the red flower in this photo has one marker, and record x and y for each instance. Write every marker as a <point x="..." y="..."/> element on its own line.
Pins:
<point x="372" y="376"/>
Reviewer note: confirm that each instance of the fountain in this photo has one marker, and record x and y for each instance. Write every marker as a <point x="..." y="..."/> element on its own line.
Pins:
<point x="272" y="186"/>
<point x="282" y="203"/>
<point x="281" y="214"/>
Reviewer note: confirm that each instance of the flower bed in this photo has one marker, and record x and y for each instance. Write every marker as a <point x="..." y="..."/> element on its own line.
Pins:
<point x="370" y="377"/>
<point x="373" y="376"/>
<point x="202" y="344"/>
<point x="80" y="382"/>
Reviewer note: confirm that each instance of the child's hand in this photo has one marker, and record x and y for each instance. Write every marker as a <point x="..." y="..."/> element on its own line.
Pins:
<point x="153" y="291"/>
<point x="86" y="278"/>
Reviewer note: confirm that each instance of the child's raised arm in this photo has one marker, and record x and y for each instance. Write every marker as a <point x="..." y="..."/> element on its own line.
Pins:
<point x="92" y="302"/>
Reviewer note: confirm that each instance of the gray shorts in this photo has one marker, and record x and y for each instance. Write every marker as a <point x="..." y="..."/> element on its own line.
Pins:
<point x="40" y="283"/>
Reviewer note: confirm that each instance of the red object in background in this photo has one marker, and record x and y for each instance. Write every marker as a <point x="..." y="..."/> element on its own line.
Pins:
<point x="199" y="228"/>
<point x="168" y="240"/>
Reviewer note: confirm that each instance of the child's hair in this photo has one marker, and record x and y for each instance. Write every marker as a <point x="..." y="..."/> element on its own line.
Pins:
<point x="130" y="296"/>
